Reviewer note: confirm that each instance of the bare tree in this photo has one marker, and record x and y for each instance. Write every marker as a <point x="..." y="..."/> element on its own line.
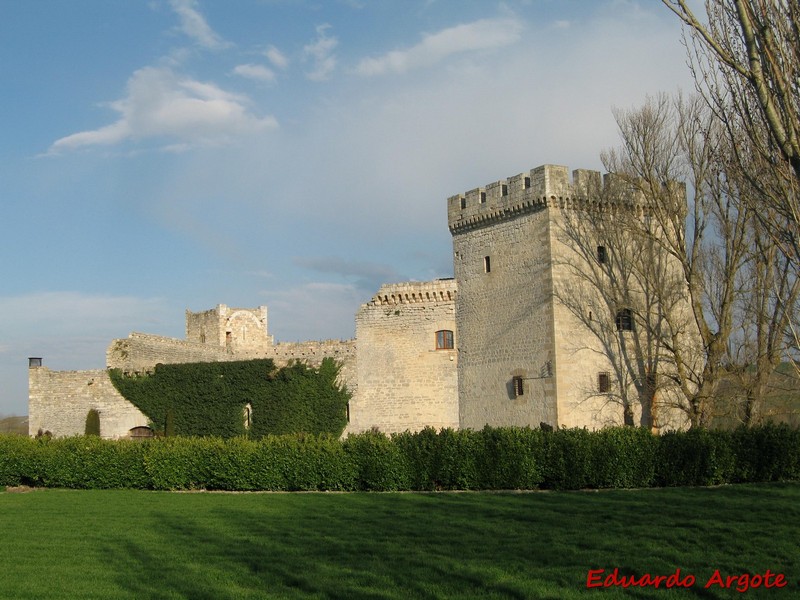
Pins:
<point x="747" y="63"/>
<point x="745" y="58"/>
<point x="768" y="295"/>
<point x="692" y="243"/>
<point x="618" y="288"/>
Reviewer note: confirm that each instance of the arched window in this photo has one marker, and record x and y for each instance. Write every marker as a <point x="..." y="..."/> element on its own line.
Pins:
<point x="140" y="432"/>
<point x="444" y="339"/>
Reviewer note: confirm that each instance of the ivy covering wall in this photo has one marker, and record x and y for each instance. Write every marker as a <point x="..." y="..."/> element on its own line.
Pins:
<point x="228" y="399"/>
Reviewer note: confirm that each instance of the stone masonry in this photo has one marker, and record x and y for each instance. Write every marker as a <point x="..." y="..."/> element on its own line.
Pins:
<point x="406" y="371"/>
<point x="524" y="358"/>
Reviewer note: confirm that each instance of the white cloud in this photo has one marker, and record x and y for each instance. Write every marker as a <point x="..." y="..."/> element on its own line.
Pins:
<point x="195" y="26"/>
<point x="478" y="35"/>
<point x="255" y="72"/>
<point x="321" y="52"/>
<point x="276" y="57"/>
<point x="162" y="104"/>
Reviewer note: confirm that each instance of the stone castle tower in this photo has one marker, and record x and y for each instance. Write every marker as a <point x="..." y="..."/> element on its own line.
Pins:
<point x="523" y="358"/>
<point x="231" y="328"/>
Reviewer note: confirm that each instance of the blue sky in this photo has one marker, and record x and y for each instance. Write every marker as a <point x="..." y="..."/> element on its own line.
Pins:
<point x="170" y="154"/>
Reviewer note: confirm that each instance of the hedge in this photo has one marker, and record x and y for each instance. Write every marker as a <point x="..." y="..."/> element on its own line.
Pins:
<point x="490" y="459"/>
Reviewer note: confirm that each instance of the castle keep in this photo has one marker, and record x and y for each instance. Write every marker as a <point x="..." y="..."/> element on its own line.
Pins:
<point x="491" y="346"/>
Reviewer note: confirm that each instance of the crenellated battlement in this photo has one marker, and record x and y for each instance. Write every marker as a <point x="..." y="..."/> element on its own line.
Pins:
<point x="410" y="292"/>
<point x="545" y="186"/>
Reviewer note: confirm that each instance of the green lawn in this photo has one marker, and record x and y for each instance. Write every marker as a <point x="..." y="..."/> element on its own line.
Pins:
<point x="136" y="544"/>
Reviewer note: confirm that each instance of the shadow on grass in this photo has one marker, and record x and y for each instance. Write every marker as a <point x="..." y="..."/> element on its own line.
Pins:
<point x="470" y="545"/>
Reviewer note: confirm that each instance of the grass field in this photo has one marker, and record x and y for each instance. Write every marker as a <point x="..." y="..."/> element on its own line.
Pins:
<point x="135" y="544"/>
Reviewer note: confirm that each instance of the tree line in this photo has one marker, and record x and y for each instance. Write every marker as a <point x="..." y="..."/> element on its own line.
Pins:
<point x="691" y="247"/>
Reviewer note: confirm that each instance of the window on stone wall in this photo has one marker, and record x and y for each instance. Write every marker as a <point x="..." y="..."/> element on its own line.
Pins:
<point x="463" y="203"/>
<point x="519" y="386"/>
<point x="487" y="264"/>
<point x="444" y="339"/>
<point x="603" y="383"/>
<point x="601" y="255"/>
<point x="624" y="319"/>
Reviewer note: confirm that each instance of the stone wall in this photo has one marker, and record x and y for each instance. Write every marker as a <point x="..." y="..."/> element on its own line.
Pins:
<point x="504" y="312"/>
<point x="60" y="400"/>
<point x="234" y="329"/>
<point x="514" y="336"/>
<point x="404" y="382"/>
<point x="142" y="352"/>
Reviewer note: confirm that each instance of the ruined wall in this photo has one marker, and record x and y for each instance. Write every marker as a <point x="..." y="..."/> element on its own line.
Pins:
<point x="404" y="381"/>
<point x="311" y="353"/>
<point x="142" y="352"/>
<point x="205" y="328"/>
<point x="60" y="400"/>
<point x="235" y="329"/>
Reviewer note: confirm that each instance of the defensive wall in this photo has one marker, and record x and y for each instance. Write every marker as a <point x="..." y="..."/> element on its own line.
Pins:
<point x="406" y="357"/>
<point x="60" y="400"/>
<point x="493" y="346"/>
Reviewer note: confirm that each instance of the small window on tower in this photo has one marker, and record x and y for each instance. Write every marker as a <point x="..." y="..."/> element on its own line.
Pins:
<point x="483" y="197"/>
<point x="624" y="319"/>
<point x="444" y="339"/>
<point x="463" y="203"/>
<point x="601" y="255"/>
<point x="487" y="264"/>
<point x="519" y="386"/>
<point x="603" y="383"/>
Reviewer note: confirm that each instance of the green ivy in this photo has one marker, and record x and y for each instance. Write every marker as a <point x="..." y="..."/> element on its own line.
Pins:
<point x="209" y="399"/>
<point x="92" y="422"/>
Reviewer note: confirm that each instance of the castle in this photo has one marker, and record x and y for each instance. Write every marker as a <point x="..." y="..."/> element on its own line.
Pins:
<point x="492" y="346"/>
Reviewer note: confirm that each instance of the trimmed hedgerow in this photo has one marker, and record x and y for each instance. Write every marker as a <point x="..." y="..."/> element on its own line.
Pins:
<point x="381" y="465"/>
<point x="511" y="458"/>
<point x="767" y="453"/>
<point x="695" y="457"/>
<point x="447" y="460"/>
<point x="493" y="458"/>
<point x="86" y="462"/>
<point x="209" y="399"/>
<point x="623" y="457"/>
